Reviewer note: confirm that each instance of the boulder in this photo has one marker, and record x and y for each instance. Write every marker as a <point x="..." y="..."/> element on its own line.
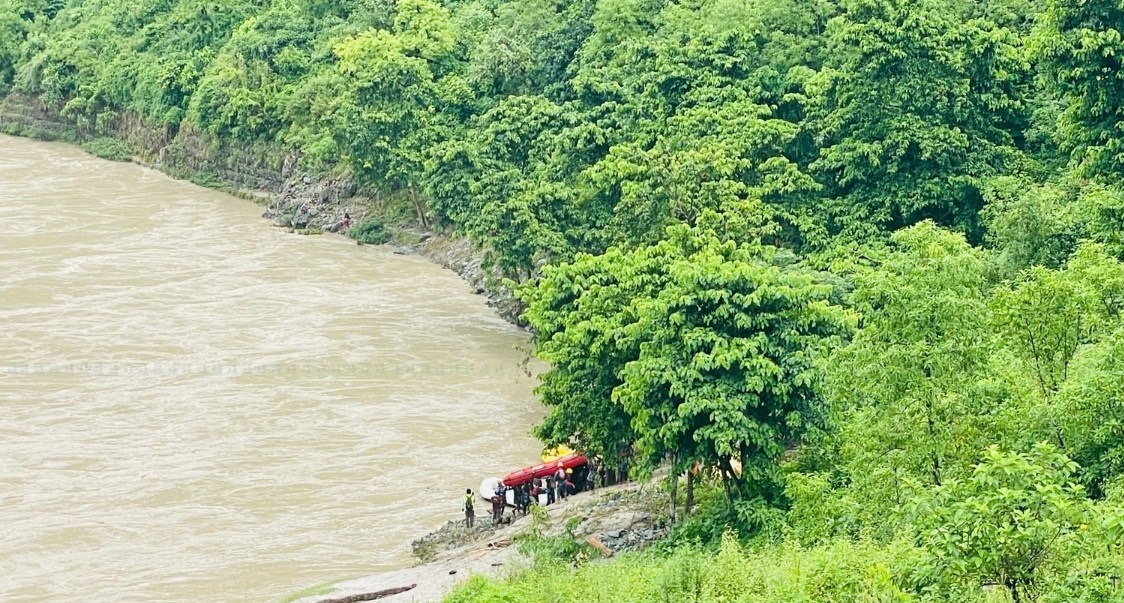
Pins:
<point x="301" y="220"/>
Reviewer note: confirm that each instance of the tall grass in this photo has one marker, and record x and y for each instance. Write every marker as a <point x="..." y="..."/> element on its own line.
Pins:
<point x="840" y="572"/>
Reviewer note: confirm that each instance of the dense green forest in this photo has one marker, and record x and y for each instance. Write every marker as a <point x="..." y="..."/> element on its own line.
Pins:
<point x="850" y="268"/>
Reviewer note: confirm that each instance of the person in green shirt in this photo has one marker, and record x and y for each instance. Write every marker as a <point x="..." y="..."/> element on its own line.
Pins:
<point x="469" y="514"/>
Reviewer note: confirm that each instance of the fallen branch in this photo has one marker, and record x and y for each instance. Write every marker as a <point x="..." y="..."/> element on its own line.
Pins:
<point x="370" y="596"/>
<point x="594" y="542"/>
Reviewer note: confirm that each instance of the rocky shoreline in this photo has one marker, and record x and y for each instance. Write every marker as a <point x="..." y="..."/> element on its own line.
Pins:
<point x="623" y="518"/>
<point x="271" y="177"/>
<point x="326" y="201"/>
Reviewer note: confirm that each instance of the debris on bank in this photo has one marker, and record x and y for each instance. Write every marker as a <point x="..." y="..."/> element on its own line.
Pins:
<point x="380" y="594"/>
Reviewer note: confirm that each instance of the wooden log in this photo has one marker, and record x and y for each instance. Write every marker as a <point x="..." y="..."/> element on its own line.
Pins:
<point x="370" y="596"/>
<point x="597" y="544"/>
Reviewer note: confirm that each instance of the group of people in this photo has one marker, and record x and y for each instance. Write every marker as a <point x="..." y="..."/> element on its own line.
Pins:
<point x="546" y="491"/>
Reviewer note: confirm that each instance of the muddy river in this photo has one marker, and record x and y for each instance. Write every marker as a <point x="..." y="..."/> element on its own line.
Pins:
<point x="196" y="406"/>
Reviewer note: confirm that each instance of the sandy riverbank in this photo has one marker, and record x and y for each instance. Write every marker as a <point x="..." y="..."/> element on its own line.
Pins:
<point x="625" y="517"/>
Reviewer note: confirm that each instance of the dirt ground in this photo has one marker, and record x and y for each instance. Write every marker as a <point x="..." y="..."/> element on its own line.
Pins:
<point x="624" y="517"/>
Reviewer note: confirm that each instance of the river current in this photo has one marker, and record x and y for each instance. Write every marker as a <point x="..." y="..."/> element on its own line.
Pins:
<point x="196" y="406"/>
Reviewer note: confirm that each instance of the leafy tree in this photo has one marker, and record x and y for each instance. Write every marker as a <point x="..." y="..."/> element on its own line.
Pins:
<point x="494" y="183"/>
<point x="1005" y="524"/>
<point x="1089" y="409"/>
<point x="702" y="346"/>
<point x="726" y="372"/>
<point x="424" y="28"/>
<point x="914" y="108"/>
<point x="1080" y="48"/>
<point x="245" y="90"/>
<point x="913" y="386"/>
<point x="1030" y="224"/>
<point x="578" y="312"/>
<point x="528" y="47"/>
<point x="1095" y="266"/>
<point x="16" y="21"/>
<point x="720" y="151"/>
<point x="1103" y="209"/>
<point x="1049" y="314"/>
<point x="388" y="119"/>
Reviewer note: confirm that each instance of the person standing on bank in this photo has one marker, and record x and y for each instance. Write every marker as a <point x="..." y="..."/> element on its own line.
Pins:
<point x="526" y="491"/>
<point x="469" y="514"/>
<point x="560" y="482"/>
<point x="497" y="508"/>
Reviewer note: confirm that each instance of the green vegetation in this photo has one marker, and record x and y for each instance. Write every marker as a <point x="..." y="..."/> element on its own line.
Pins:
<point x="371" y="231"/>
<point x="852" y="267"/>
<point x="109" y="148"/>
<point x="312" y="591"/>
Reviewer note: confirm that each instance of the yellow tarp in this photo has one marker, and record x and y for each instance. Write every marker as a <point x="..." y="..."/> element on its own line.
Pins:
<point x="553" y="454"/>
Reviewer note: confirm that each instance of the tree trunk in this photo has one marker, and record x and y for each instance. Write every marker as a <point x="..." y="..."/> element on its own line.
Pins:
<point x="371" y="596"/>
<point x="690" y="502"/>
<point x="1013" y="587"/>
<point x="934" y="454"/>
<point x="1059" y="436"/>
<point x="931" y="425"/>
<point x="726" y="472"/>
<point x="419" y="207"/>
<point x="674" y="477"/>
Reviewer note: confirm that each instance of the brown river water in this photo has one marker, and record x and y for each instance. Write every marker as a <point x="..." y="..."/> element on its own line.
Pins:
<point x="198" y="407"/>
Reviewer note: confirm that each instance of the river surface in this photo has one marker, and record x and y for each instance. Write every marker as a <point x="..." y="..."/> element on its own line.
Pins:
<point x="198" y="407"/>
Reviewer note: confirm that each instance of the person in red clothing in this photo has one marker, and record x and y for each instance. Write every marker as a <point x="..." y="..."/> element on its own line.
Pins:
<point x="497" y="508"/>
<point x="560" y="481"/>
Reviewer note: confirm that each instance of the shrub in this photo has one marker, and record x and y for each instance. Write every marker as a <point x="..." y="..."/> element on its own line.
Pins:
<point x="370" y="232"/>
<point x="109" y="148"/>
<point x="1004" y="525"/>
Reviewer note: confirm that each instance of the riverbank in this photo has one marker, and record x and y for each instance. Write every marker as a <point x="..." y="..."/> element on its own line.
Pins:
<point x="623" y="518"/>
<point x="269" y="176"/>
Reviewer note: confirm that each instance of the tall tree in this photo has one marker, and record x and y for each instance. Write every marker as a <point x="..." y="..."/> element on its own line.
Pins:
<point x="727" y="373"/>
<point x="909" y="382"/>
<point x="914" y="109"/>
<point x="1049" y="314"/>
<point x="579" y="312"/>
<point x="389" y="121"/>
<point x="695" y="347"/>
<point x="16" y="20"/>
<point x="1005" y="524"/>
<point x="1080" y="45"/>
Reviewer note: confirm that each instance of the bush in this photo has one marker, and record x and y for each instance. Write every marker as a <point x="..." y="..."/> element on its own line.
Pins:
<point x="564" y="548"/>
<point x="370" y="232"/>
<point x="109" y="148"/>
<point x="1005" y="525"/>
